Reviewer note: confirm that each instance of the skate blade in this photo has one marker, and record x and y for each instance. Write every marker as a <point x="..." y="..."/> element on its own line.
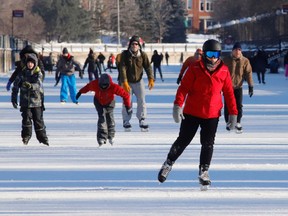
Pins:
<point x="127" y="129"/>
<point x="238" y="131"/>
<point x="204" y="187"/>
<point x="144" y="129"/>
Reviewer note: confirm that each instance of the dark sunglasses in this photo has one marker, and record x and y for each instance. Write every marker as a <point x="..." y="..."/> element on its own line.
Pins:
<point x="134" y="44"/>
<point x="211" y="54"/>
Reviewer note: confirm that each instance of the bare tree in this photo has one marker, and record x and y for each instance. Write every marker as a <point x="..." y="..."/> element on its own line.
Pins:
<point x="251" y="19"/>
<point x="161" y="16"/>
<point x="28" y="27"/>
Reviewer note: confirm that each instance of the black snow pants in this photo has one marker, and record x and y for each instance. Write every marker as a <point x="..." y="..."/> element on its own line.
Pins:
<point x="188" y="129"/>
<point x="238" y="93"/>
<point x="35" y="114"/>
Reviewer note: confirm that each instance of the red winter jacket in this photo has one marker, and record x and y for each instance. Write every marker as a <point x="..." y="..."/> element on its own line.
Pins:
<point x="105" y="96"/>
<point x="204" y="91"/>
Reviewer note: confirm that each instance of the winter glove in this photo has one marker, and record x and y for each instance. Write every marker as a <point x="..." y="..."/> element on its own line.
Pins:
<point x="126" y="87"/>
<point x="179" y="79"/>
<point x="8" y="86"/>
<point x="177" y="113"/>
<point x="250" y="92"/>
<point x="128" y="110"/>
<point x="14" y="102"/>
<point x="150" y="84"/>
<point x="232" y="120"/>
<point x="81" y="74"/>
<point x="78" y="95"/>
<point x="27" y="85"/>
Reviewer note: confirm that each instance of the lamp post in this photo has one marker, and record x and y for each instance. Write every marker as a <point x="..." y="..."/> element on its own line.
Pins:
<point x="118" y="22"/>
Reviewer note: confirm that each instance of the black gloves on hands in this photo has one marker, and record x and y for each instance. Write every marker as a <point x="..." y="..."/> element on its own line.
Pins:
<point x="250" y="92"/>
<point x="128" y="110"/>
<point x="179" y="80"/>
<point x="78" y="95"/>
<point x="26" y="85"/>
<point x="81" y="72"/>
<point x="14" y="104"/>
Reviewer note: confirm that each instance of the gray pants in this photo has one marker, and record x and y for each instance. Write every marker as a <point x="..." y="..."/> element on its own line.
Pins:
<point x="138" y="89"/>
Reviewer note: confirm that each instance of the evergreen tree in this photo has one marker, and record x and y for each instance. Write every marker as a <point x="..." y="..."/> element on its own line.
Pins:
<point x="176" y="27"/>
<point x="65" y="20"/>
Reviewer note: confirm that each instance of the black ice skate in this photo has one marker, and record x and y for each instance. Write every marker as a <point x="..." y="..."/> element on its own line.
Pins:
<point x="25" y="140"/>
<point x="45" y="142"/>
<point x="111" y="141"/>
<point x="144" y="126"/>
<point x="127" y="126"/>
<point x="101" y="142"/>
<point x="204" y="179"/>
<point x="165" y="170"/>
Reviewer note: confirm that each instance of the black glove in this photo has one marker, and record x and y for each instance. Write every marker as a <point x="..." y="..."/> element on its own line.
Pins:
<point x="179" y="80"/>
<point x="81" y="74"/>
<point x="128" y="110"/>
<point x="26" y="85"/>
<point x="78" y="95"/>
<point x="250" y="91"/>
<point x="8" y="86"/>
<point x="14" y="104"/>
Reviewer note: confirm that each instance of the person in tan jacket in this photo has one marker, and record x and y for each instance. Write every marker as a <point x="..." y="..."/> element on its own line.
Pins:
<point x="240" y="70"/>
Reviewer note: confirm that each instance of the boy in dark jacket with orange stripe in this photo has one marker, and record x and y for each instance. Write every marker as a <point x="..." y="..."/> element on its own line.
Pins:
<point x="104" y="102"/>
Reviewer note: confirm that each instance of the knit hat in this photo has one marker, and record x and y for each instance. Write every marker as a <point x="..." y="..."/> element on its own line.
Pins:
<point x="65" y="50"/>
<point x="237" y="45"/>
<point x="135" y="38"/>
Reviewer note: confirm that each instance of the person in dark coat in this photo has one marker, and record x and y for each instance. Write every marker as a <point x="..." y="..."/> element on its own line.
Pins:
<point x="101" y="59"/>
<point x="260" y="64"/>
<point x="156" y="60"/>
<point x="93" y="66"/>
<point x="104" y="103"/>
<point x="167" y="58"/>
<point x="286" y="65"/>
<point x="21" y="64"/>
<point x="29" y="83"/>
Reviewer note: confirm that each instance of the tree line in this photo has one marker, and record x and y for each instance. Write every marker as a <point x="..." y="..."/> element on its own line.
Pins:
<point x="67" y="20"/>
<point x="154" y="20"/>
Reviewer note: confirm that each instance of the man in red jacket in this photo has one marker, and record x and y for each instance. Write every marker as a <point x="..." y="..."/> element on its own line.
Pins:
<point x="104" y="102"/>
<point x="201" y="89"/>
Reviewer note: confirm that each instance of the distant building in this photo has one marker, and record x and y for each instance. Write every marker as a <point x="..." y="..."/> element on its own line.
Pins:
<point x="198" y="15"/>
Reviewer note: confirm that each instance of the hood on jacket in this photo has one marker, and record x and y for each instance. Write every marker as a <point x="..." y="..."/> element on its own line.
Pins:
<point x="27" y="49"/>
<point x="32" y="57"/>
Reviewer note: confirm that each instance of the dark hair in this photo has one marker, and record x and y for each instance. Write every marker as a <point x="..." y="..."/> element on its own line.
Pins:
<point x="65" y="50"/>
